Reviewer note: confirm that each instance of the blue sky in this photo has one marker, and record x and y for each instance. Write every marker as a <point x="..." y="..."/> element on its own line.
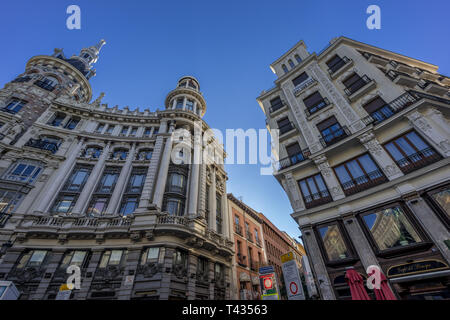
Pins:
<point x="227" y="45"/>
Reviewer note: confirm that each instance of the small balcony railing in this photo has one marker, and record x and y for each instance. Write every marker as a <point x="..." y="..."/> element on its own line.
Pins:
<point x="319" y="105"/>
<point x="395" y="106"/>
<point x="338" y="65"/>
<point x="317" y="199"/>
<point x="334" y="137"/>
<point x="364" y="182"/>
<point x="358" y="84"/>
<point x="172" y="220"/>
<point x="293" y="159"/>
<point x="277" y="106"/>
<point x="302" y="86"/>
<point x="286" y="128"/>
<point x="42" y="144"/>
<point x="418" y="160"/>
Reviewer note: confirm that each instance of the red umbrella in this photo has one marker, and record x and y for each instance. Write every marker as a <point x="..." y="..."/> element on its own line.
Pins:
<point x="356" y="284"/>
<point x="384" y="292"/>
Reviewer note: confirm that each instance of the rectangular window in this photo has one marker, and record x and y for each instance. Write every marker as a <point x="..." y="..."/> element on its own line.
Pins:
<point x="147" y="131"/>
<point x="155" y="131"/>
<point x="179" y="258"/>
<point x="133" y="191"/>
<point x="74" y="257"/>
<point x="333" y="243"/>
<point x="15" y="105"/>
<point x="77" y="179"/>
<point x="179" y="104"/>
<point x="285" y="125"/>
<point x="276" y="104"/>
<point x="129" y="205"/>
<point x="8" y="201"/>
<point x="359" y="174"/>
<point x="151" y="255"/>
<point x="315" y="102"/>
<point x="300" y="79"/>
<point x="133" y="131"/>
<point x="57" y="119"/>
<point x="190" y="105"/>
<point x="378" y="109"/>
<point x="110" y="129"/>
<point x="124" y="130"/>
<point x="112" y="258"/>
<point x="295" y="153"/>
<point x="24" y="171"/>
<point x="72" y="123"/>
<point x="391" y="228"/>
<point x="331" y="131"/>
<point x="411" y="152"/>
<point x="202" y="267"/>
<point x="100" y="127"/>
<point x="98" y="205"/>
<point x="354" y="82"/>
<point x="314" y="191"/>
<point x="33" y="258"/>
<point x="108" y="180"/>
<point x="335" y="63"/>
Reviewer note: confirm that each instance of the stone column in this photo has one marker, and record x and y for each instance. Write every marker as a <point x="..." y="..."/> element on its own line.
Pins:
<point x="293" y="192"/>
<point x="121" y="182"/>
<point x="202" y="197"/>
<point x="228" y="280"/>
<point x="49" y="192"/>
<point x="362" y="246"/>
<point x="86" y="193"/>
<point x="86" y="280"/>
<point x="162" y="174"/>
<point x="432" y="225"/>
<point x="151" y="174"/>
<point x="164" y="288"/>
<point x="331" y="180"/>
<point x="126" y="290"/>
<point x="212" y="201"/>
<point x="435" y="138"/>
<point x="195" y="176"/>
<point x="211" y="278"/>
<point x="225" y="222"/>
<point x="55" y="259"/>
<point x="384" y="161"/>
<point x="192" y="276"/>
<point x="325" y="286"/>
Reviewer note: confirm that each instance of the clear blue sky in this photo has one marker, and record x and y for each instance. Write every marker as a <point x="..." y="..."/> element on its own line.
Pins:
<point x="227" y="45"/>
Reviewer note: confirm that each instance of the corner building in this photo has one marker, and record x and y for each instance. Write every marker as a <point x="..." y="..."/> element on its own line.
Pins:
<point x="364" y="159"/>
<point x="89" y="185"/>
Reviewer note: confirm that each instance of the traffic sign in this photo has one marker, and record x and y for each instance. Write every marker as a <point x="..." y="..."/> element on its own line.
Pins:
<point x="292" y="277"/>
<point x="269" y="285"/>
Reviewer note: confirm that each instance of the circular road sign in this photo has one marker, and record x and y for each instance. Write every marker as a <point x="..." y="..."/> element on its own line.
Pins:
<point x="293" y="287"/>
<point x="268" y="283"/>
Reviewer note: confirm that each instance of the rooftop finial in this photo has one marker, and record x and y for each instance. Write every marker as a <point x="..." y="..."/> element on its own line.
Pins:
<point x="100" y="44"/>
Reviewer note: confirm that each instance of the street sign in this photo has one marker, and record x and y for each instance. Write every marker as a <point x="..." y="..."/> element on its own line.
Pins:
<point x="266" y="269"/>
<point x="292" y="278"/>
<point x="269" y="284"/>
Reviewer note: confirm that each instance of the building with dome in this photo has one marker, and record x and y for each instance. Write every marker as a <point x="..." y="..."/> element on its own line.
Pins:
<point x="85" y="184"/>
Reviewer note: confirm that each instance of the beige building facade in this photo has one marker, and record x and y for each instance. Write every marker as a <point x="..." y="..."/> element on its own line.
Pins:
<point x="113" y="191"/>
<point x="364" y="158"/>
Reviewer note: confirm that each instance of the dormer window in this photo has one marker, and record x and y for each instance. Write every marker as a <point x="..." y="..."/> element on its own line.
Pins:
<point x="48" y="83"/>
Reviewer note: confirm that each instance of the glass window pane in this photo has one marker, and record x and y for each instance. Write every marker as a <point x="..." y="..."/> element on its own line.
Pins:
<point x="19" y="169"/>
<point x="105" y="258"/>
<point x="312" y="186"/>
<point x="391" y="228"/>
<point x="153" y="253"/>
<point x="333" y="243"/>
<point x="304" y="188"/>
<point x="342" y="174"/>
<point x="417" y="141"/>
<point x="37" y="258"/>
<point x="78" y="258"/>
<point x="443" y="199"/>
<point x="395" y="153"/>
<point x="320" y="183"/>
<point x="116" y="255"/>
<point x="405" y="146"/>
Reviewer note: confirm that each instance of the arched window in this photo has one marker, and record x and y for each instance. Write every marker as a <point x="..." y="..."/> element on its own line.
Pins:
<point x="15" y="105"/>
<point x="285" y="69"/>
<point x="144" y="154"/>
<point x="291" y="63"/>
<point x="297" y="57"/>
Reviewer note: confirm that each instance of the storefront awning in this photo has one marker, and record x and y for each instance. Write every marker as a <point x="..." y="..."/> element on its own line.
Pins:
<point x="421" y="276"/>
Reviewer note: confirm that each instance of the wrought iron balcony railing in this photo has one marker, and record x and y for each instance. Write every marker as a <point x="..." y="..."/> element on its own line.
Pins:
<point x="293" y="159"/>
<point x="277" y="106"/>
<point x="319" y="105"/>
<point x="286" y="128"/>
<point x="334" y="137"/>
<point x="338" y="65"/>
<point x="364" y="182"/>
<point x="358" y="84"/>
<point x="418" y="160"/>
<point x="317" y="199"/>
<point x="305" y="84"/>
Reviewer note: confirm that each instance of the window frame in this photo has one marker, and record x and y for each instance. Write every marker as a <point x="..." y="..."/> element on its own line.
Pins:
<point x="420" y="246"/>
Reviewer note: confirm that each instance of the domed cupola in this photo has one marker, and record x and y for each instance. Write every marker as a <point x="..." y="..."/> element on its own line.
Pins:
<point x="187" y="96"/>
<point x="87" y="57"/>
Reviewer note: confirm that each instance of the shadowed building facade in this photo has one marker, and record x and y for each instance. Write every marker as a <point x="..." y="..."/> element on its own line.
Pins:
<point x="98" y="187"/>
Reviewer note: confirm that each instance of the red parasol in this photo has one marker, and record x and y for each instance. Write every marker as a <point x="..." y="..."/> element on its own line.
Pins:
<point x="356" y="284"/>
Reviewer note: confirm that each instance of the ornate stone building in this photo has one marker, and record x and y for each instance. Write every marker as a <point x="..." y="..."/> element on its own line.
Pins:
<point x="364" y="159"/>
<point x="109" y="190"/>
